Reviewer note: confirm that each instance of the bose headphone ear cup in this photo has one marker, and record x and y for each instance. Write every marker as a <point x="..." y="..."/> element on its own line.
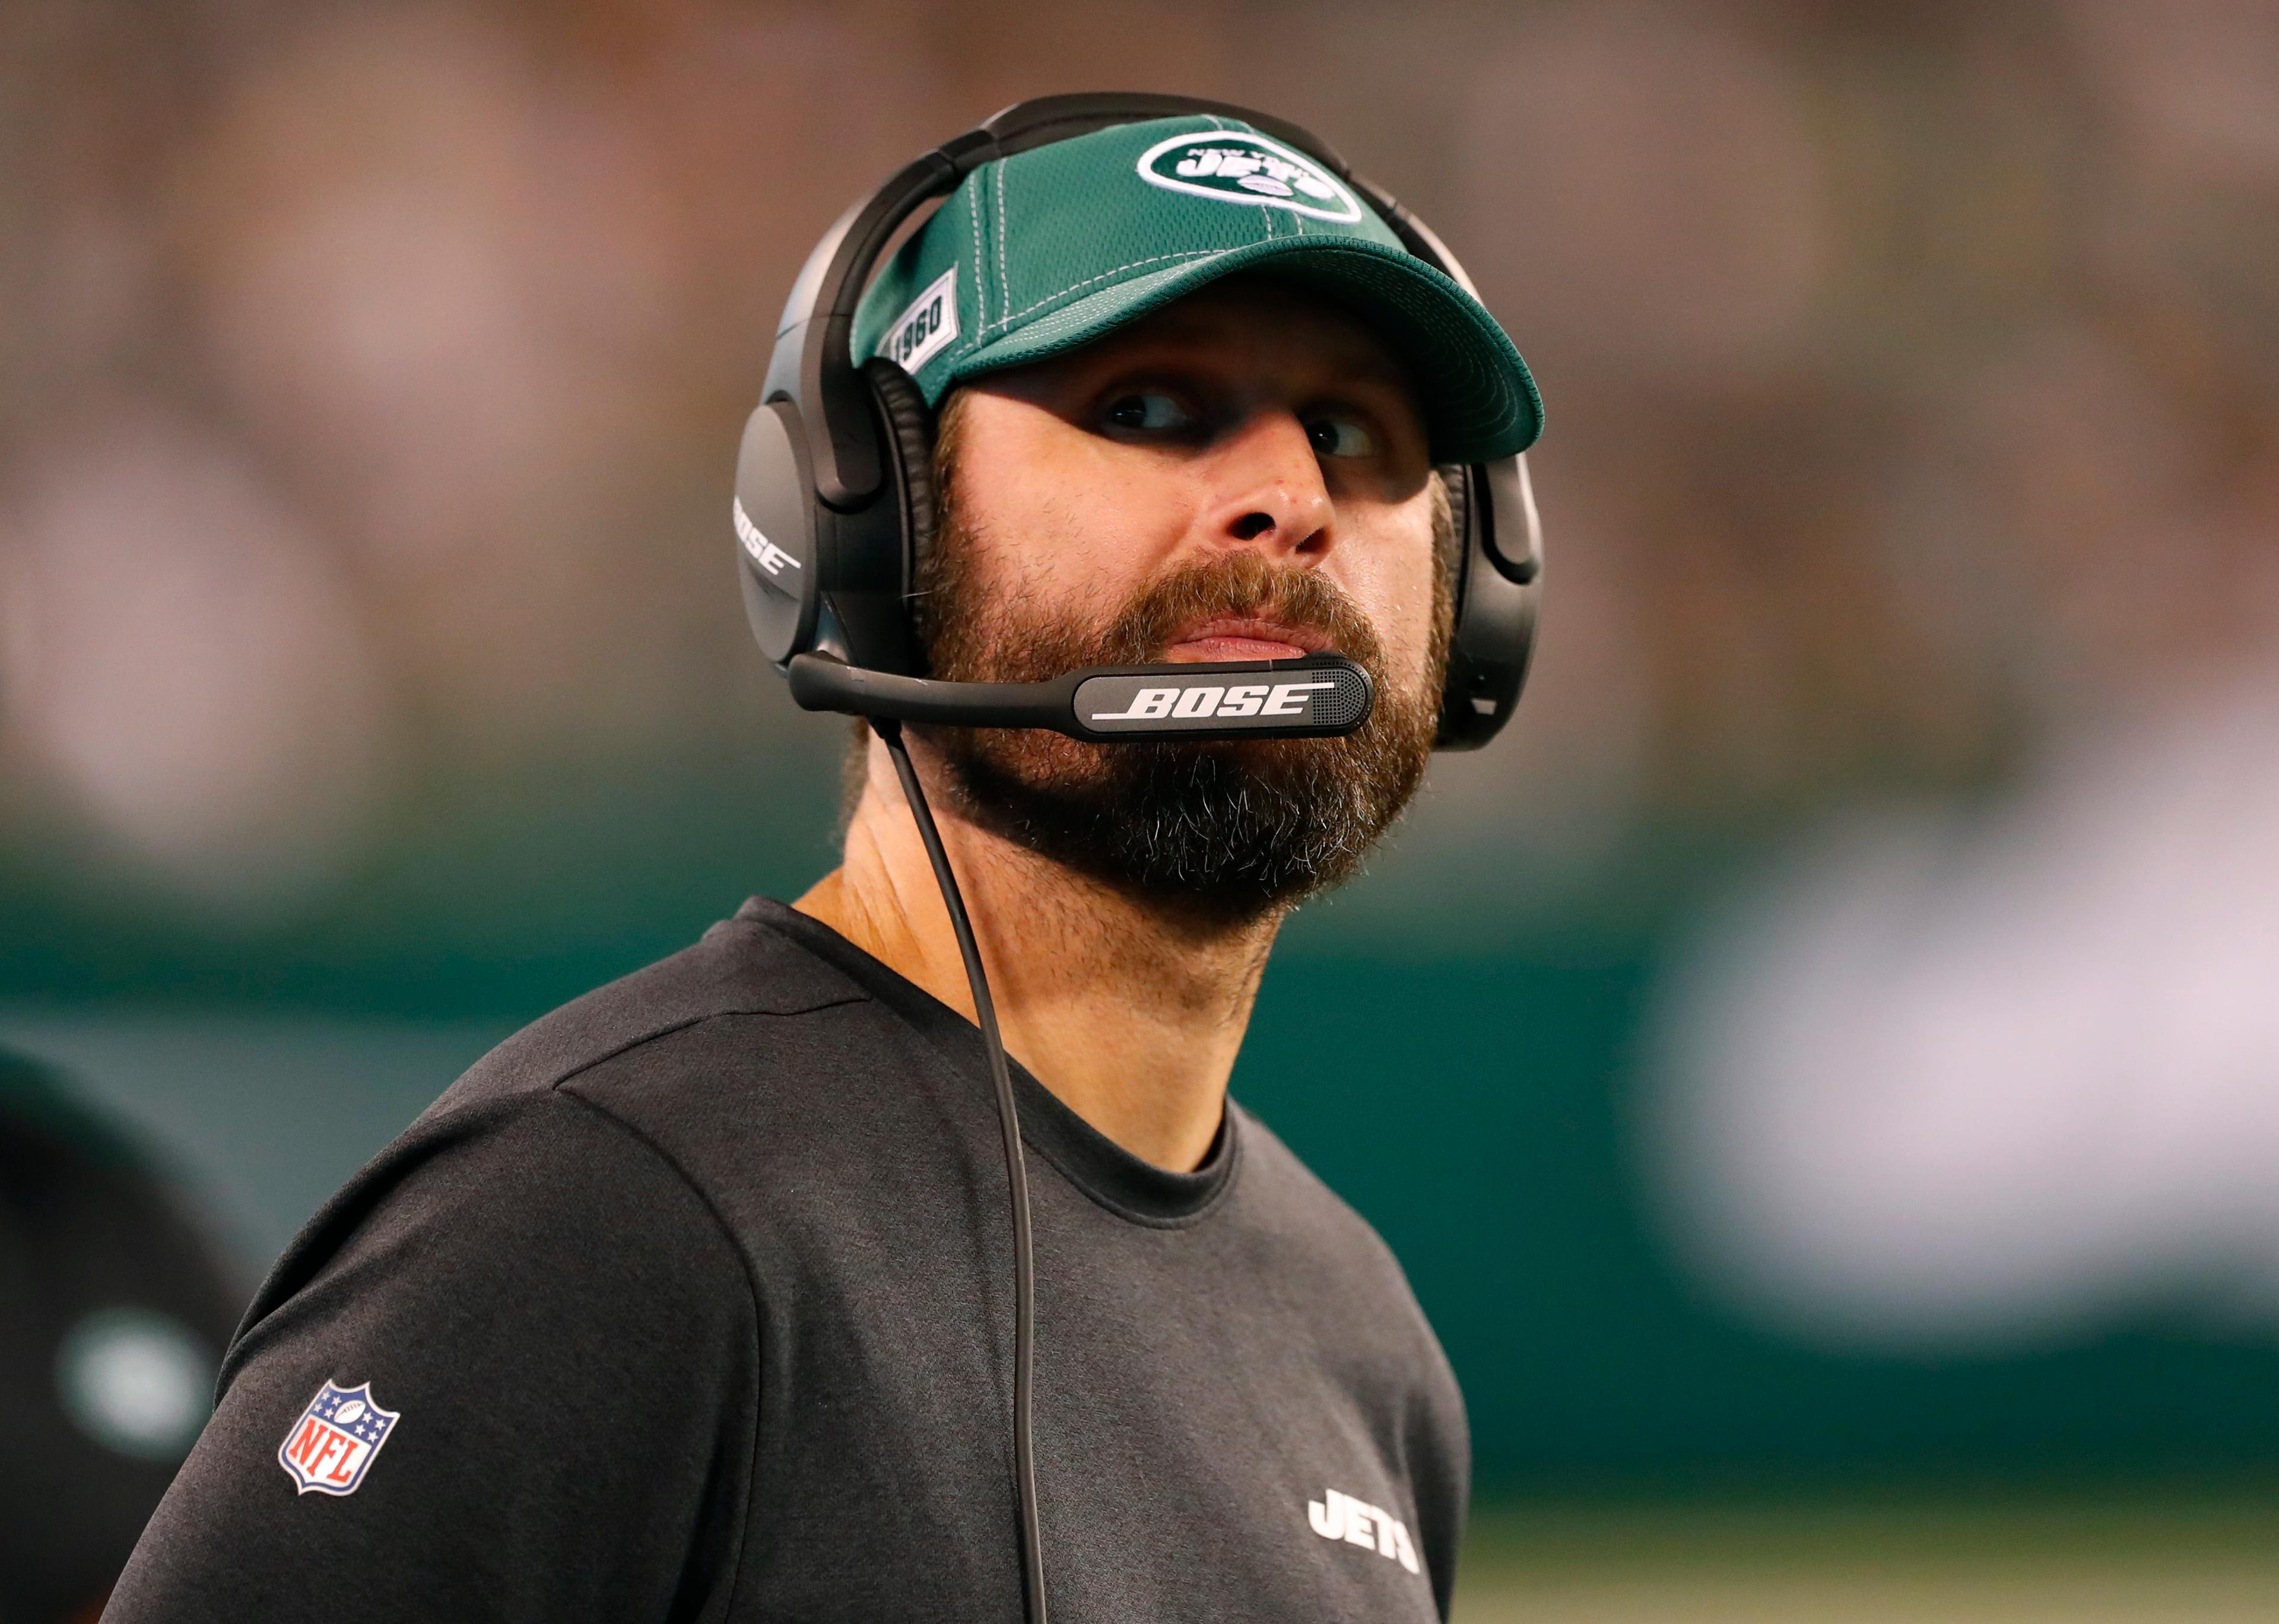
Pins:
<point x="1498" y="590"/>
<point x="909" y="440"/>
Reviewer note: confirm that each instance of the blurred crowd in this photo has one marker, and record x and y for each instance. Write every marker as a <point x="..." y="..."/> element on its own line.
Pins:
<point x="370" y="376"/>
<point x="370" y="380"/>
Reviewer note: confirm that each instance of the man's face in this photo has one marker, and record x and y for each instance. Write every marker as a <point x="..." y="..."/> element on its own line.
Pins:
<point x="1242" y="475"/>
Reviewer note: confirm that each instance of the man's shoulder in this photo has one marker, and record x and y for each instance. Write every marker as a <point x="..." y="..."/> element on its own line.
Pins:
<point x="1291" y="1200"/>
<point x="1327" y="1261"/>
<point x="748" y="965"/>
<point x="614" y="1088"/>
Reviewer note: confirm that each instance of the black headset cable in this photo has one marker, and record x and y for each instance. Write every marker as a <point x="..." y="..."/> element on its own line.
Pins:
<point x="1016" y="1175"/>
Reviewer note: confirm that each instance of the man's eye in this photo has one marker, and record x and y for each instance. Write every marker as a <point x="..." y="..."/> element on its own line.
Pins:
<point x="1339" y="437"/>
<point x="1149" y="414"/>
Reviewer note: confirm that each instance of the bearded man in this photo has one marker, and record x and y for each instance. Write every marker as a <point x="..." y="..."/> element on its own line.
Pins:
<point x="690" y="1301"/>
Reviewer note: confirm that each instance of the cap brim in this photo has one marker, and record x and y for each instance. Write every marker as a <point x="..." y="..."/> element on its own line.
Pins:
<point x="1479" y="400"/>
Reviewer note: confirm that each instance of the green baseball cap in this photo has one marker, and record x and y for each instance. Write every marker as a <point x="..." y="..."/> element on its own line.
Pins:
<point x="1055" y="247"/>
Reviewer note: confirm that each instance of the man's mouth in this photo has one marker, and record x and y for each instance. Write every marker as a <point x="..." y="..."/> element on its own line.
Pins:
<point x="1244" y="638"/>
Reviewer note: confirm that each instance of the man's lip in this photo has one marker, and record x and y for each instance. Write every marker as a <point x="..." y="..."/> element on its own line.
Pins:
<point x="1242" y="638"/>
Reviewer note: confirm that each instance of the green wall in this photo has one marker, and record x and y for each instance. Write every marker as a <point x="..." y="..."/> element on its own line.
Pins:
<point x="1473" y="1108"/>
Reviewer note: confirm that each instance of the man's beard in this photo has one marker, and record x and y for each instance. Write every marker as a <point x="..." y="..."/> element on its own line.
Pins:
<point x="1222" y="832"/>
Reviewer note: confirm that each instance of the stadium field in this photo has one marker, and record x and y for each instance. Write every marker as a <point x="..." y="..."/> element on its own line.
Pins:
<point x="2179" y="1562"/>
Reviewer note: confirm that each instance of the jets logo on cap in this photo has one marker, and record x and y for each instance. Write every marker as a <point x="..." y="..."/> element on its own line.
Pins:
<point x="1236" y="166"/>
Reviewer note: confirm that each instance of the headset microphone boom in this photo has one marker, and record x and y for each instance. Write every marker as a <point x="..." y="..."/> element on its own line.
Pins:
<point x="1315" y="696"/>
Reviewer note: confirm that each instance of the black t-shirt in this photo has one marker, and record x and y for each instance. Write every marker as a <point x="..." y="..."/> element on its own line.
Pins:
<point x="693" y="1301"/>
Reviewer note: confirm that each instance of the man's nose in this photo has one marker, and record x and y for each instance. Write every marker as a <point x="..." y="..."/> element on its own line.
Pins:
<point x="1272" y="497"/>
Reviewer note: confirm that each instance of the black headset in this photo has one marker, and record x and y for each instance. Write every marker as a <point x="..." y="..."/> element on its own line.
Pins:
<point x="835" y="506"/>
<point x="834" y="512"/>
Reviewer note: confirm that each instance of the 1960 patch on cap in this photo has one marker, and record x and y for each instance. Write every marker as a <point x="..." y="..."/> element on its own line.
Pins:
<point x="333" y="1443"/>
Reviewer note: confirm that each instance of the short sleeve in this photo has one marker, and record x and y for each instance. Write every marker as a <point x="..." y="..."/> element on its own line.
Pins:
<point x="566" y="1342"/>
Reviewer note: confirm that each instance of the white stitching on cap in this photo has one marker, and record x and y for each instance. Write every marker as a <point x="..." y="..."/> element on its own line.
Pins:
<point x="1005" y="288"/>
<point x="966" y="346"/>
<point x="980" y="286"/>
<point x="1104" y="276"/>
<point x="1265" y="216"/>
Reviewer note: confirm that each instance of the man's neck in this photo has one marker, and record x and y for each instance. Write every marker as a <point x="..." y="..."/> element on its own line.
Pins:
<point x="1130" y="1016"/>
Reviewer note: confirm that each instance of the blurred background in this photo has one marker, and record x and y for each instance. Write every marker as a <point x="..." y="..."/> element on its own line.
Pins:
<point x="1821" y="1069"/>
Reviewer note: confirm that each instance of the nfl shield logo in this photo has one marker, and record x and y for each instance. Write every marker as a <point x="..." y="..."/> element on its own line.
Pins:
<point x="333" y="1444"/>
